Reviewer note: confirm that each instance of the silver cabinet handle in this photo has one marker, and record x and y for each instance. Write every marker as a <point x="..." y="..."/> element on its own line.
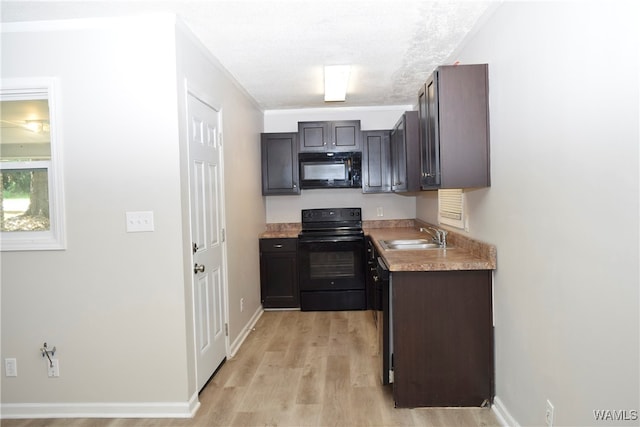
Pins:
<point x="198" y="268"/>
<point x="277" y="246"/>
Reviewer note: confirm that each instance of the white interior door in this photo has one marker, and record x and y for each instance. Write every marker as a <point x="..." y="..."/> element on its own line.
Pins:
<point x="207" y="236"/>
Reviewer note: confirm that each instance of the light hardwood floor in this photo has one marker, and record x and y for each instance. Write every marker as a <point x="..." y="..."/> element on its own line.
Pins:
<point x="299" y="369"/>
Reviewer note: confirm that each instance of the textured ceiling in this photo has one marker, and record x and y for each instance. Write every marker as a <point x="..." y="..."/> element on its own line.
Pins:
<point x="276" y="49"/>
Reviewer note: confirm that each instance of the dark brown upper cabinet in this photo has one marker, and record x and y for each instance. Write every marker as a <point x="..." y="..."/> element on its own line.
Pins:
<point x="330" y="136"/>
<point x="454" y="128"/>
<point x="280" y="171"/>
<point x="405" y="159"/>
<point x="376" y="161"/>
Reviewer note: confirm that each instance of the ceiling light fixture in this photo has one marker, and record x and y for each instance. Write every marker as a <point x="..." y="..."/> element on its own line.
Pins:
<point x="336" y="80"/>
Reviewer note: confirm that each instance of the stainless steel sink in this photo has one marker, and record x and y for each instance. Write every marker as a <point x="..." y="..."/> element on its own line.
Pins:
<point x="409" y="244"/>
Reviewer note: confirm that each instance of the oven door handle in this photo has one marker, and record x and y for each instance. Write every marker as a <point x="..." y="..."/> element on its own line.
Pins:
<point x="330" y="239"/>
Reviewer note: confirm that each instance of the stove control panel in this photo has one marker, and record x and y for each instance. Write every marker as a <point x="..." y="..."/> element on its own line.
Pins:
<point x="331" y="215"/>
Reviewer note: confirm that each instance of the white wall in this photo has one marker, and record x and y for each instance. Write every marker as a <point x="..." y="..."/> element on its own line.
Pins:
<point x="112" y="301"/>
<point x="117" y="305"/>
<point x="563" y="206"/>
<point x="287" y="208"/>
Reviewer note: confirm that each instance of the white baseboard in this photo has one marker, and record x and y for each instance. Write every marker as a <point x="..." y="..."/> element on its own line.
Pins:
<point x="235" y="346"/>
<point x="502" y="414"/>
<point x="101" y="410"/>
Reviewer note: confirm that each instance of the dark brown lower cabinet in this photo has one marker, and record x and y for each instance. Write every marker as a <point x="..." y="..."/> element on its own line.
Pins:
<point x="279" y="273"/>
<point x="442" y="338"/>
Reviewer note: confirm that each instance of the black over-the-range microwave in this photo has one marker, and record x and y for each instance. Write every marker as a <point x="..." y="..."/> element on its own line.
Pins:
<point x="331" y="170"/>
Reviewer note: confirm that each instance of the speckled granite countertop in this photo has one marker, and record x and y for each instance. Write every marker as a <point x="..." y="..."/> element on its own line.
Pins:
<point x="285" y="230"/>
<point x="463" y="253"/>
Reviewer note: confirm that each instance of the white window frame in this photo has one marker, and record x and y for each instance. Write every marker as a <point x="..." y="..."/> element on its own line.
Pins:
<point x="451" y="207"/>
<point x="20" y="89"/>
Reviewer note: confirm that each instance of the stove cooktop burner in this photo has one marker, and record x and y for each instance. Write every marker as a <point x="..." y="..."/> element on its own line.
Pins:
<point x="325" y="233"/>
<point x="331" y="222"/>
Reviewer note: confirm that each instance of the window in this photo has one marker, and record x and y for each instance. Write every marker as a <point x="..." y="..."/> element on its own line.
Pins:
<point x="451" y="207"/>
<point x="31" y="210"/>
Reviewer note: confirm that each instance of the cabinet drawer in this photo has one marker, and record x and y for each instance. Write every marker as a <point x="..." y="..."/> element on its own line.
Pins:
<point x="278" y="245"/>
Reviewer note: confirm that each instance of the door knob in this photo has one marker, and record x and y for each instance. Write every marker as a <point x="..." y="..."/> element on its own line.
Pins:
<point x="198" y="268"/>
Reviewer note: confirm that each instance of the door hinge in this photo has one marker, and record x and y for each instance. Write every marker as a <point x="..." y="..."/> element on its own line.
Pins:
<point x="224" y="235"/>
<point x="226" y="329"/>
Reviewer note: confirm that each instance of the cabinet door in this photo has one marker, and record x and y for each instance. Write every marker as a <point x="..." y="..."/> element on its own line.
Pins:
<point x="345" y="136"/>
<point x="376" y="161"/>
<point x="430" y="143"/>
<point x="279" y="163"/>
<point x="314" y="136"/>
<point x="279" y="273"/>
<point x="398" y="158"/>
<point x="429" y="153"/>
<point x="405" y="154"/>
<point x="330" y="136"/>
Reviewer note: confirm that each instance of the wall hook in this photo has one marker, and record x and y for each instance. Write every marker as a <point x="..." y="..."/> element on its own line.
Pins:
<point x="48" y="353"/>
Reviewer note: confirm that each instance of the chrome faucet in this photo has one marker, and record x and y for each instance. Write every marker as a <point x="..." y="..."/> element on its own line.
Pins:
<point x="438" y="235"/>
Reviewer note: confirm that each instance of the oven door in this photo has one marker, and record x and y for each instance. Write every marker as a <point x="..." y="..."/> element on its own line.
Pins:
<point x="332" y="273"/>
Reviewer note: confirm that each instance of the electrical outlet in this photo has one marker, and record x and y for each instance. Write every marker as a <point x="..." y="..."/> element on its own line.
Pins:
<point x="379" y="212"/>
<point x="53" y="368"/>
<point x="548" y="416"/>
<point x="11" y="367"/>
<point x="241" y="304"/>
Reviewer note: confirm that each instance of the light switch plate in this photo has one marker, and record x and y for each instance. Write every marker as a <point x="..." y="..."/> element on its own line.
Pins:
<point x="11" y="367"/>
<point x="139" y="221"/>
